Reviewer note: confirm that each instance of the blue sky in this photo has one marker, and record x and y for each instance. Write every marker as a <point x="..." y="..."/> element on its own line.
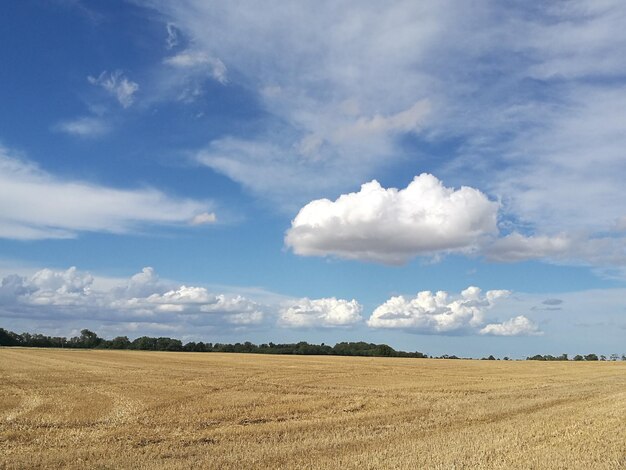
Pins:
<point x="440" y="176"/>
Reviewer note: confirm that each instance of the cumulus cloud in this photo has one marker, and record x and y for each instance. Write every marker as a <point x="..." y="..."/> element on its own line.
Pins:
<point x="144" y="297"/>
<point x="83" y="127"/>
<point x="35" y="204"/>
<point x="517" y="326"/>
<point x="437" y="313"/>
<point x="117" y="85"/>
<point x="328" y="312"/>
<point x="391" y="225"/>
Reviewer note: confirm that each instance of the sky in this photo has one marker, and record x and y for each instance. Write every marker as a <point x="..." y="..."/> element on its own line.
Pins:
<point x="441" y="176"/>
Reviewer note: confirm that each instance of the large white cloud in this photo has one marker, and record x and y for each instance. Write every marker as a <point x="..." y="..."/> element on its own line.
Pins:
<point x="441" y="313"/>
<point x="328" y="312"/>
<point x="391" y="225"/>
<point x="35" y="204"/>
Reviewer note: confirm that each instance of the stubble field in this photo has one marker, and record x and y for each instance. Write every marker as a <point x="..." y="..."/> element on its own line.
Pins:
<point x="131" y="409"/>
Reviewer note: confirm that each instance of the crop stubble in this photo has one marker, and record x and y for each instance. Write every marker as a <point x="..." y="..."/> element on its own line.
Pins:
<point x="132" y="409"/>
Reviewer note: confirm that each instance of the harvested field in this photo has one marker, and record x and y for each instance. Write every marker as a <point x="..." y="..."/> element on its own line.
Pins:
<point x="131" y="409"/>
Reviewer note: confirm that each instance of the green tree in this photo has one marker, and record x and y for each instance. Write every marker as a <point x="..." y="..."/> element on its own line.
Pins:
<point x="121" y="342"/>
<point x="88" y="339"/>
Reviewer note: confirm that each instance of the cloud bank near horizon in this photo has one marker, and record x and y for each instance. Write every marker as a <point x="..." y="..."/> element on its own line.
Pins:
<point x="73" y="296"/>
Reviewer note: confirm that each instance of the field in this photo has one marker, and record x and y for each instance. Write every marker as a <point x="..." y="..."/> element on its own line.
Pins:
<point x="119" y="409"/>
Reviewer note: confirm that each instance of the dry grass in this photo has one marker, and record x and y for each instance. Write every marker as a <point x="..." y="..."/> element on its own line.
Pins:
<point x="117" y="409"/>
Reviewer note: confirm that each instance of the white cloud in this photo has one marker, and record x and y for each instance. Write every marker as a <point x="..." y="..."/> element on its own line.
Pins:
<point x="117" y="85"/>
<point x="436" y="313"/>
<point x="582" y="249"/>
<point x="339" y="86"/>
<point x="198" y="60"/>
<point x="391" y="225"/>
<point x="517" y="326"/>
<point x="35" y="205"/>
<point x="329" y="312"/>
<point x="72" y="294"/>
<point x="517" y="247"/>
<point x="408" y="120"/>
<point x="83" y="127"/>
<point x="204" y="218"/>
<point x="535" y="103"/>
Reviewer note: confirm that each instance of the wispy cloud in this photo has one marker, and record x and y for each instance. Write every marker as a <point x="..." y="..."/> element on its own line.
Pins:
<point x="199" y="61"/>
<point x="204" y="218"/>
<point x="171" y="40"/>
<point x="36" y="205"/>
<point x="83" y="127"/>
<point x="534" y="105"/>
<point x="117" y="85"/>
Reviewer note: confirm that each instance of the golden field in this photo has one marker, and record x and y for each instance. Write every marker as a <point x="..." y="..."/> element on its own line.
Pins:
<point x="131" y="409"/>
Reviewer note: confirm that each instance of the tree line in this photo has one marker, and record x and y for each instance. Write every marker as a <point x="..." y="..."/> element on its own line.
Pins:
<point x="90" y="340"/>
<point x="577" y="357"/>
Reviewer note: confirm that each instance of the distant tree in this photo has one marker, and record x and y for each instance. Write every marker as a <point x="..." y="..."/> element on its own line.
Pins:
<point x="614" y="357"/>
<point x="591" y="357"/>
<point x="505" y="358"/>
<point x="578" y="357"/>
<point x="537" y="357"/>
<point x="384" y="350"/>
<point x="168" y="344"/>
<point x="201" y="347"/>
<point x="120" y="342"/>
<point x="602" y="357"/>
<point x="144" y="343"/>
<point x="88" y="339"/>
<point x="8" y="338"/>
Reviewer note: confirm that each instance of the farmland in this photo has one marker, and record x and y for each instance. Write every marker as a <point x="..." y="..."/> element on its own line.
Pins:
<point x="134" y="409"/>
